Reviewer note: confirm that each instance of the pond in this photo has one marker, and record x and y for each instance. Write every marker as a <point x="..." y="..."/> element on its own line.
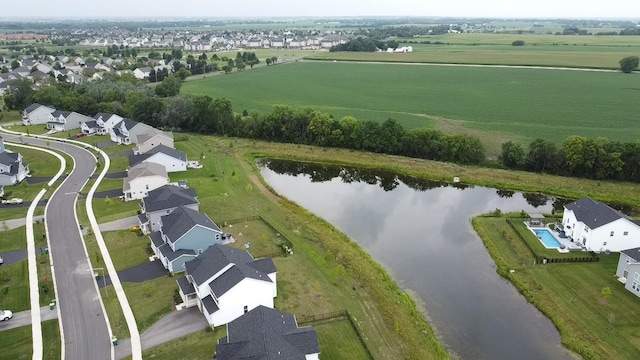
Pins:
<point x="421" y="232"/>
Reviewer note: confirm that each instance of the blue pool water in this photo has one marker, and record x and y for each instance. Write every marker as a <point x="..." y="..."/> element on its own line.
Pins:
<point x="547" y="239"/>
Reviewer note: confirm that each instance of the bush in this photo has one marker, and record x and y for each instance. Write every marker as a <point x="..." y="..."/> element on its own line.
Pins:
<point x="518" y="43"/>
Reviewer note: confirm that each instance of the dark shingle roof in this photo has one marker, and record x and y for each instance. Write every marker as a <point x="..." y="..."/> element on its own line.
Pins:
<point x="223" y="283"/>
<point x="267" y="334"/>
<point x="57" y="113"/>
<point x="128" y="124"/>
<point x="593" y="213"/>
<point x="210" y="305"/>
<point x="136" y="159"/>
<point x="265" y="265"/>
<point x="156" y="238"/>
<point x="143" y="219"/>
<point x="186" y="286"/>
<point x="172" y="255"/>
<point x="104" y="116"/>
<point x="7" y="158"/>
<point x="633" y="253"/>
<point x="91" y="124"/>
<point x="31" y="108"/>
<point x="214" y="259"/>
<point x="183" y="219"/>
<point x="168" y="197"/>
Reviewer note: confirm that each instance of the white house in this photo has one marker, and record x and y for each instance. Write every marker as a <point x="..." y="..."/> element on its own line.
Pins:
<point x="142" y="73"/>
<point x="172" y="159"/>
<point x="142" y="178"/>
<point x="598" y="227"/>
<point x="265" y="333"/>
<point x="107" y="121"/>
<point x="146" y="142"/>
<point x="127" y="131"/>
<point x="12" y="170"/>
<point x="628" y="271"/>
<point x="226" y="283"/>
<point x="66" y="120"/>
<point x="36" y="114"/>
<point x="163" y="201"/>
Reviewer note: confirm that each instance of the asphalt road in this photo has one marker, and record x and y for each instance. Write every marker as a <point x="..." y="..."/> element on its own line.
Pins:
<point x="86" y="335"/>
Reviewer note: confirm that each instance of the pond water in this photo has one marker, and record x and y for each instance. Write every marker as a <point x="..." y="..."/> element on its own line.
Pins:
<point x="421" y="232"/>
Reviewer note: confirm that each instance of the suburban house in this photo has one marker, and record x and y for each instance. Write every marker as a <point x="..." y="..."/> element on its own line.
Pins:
<point x="127" y="131"/>
<point x="143" y="178"/>
<point x="107" y="121"/>
<point x="268" y="334"/>
<point x="91" y="127"/>
<point x="226" y="283"/>
<point x="163" y="201"/>
<point x="629" y="269"/>
<point x="172" y="159"/>
<point x="598" y="227"/>
<point x="142" y="73"/>
<point x="147" y="142"/>
<point x="12" y="170"/>
<point x="66" y="120"/>
<point x="36" y="114"/>
<point x="184" y="234"/>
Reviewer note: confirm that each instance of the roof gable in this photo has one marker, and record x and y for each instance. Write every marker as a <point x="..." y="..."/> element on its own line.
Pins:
<point x="633" y="253"/>
<point x="169" y="197"/>
<point x="182" y="220"/>
<point x="594" y="214"/>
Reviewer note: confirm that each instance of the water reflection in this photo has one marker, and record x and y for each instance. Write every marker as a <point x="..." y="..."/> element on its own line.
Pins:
<point x="420" y="230"/>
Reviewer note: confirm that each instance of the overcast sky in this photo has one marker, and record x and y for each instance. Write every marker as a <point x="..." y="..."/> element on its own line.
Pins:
<point x="627" y="9"/>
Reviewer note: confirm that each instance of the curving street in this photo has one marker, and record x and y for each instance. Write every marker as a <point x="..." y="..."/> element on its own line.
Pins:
<point x="85" y="332"/>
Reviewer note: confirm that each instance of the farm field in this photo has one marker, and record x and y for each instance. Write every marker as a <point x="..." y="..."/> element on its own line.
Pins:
<point x="494" y="103"/>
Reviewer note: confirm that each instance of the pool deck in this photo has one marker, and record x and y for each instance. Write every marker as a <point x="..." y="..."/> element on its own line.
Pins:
<point x="568" y="244"/>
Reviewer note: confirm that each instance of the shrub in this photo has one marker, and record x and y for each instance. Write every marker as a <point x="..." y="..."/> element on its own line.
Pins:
<point x="518" y="43"/>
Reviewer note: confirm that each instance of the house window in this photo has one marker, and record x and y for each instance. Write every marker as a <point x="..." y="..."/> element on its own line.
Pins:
<point x="246" y="309"/>
<point x="147" y="187"/>
<point x="636" y="276"/>
<point x="635" y="286"/>
<point x="625" y="233"/>
<point x="625" y="274"/>
<point x="586" y="229"/>
<point x="611" y="234"/>
<point x="604" y="243"/>
<point x="168" y="211"/>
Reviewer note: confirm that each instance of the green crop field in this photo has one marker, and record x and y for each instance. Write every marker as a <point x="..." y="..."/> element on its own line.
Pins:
<point x="497" y="102"/>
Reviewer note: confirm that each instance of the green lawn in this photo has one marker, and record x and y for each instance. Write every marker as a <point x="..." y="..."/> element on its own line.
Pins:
<point x="338" y="340"/>
<point x="570" y="295"/>
<point x="16" y="343"/>
<point x="127" y="248"/>
<point x="14" y="288"/>
<point x="13" y="240"/>
<point x="151" y="300"/>
<point x="507" y="103"/>
<point x="51" y="340"/>
<point x="201" y="345"/>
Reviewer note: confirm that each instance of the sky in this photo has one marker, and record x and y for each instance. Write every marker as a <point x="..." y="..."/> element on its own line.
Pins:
<point x="625" y="9"/>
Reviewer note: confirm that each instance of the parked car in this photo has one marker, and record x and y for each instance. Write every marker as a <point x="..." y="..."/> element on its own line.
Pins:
<point x="14" y="201"/>
<point x="5" y="315"/>
<point x="80" y="135"/>
<point x="1" y="260"/>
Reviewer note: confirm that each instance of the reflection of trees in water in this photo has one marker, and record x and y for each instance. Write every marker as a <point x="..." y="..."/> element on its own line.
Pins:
<point x="535" y="199"/>
<point x="505" y="194"/>
<point x="321" y="173"/>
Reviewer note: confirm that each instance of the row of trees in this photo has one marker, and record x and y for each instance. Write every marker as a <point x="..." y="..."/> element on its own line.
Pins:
<point x="578" y="156"/>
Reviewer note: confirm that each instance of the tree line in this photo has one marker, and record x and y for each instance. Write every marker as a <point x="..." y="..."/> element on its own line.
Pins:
<point x="164" y="108"/>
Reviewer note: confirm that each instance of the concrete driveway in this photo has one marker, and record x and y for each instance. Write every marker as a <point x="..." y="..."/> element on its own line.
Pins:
<point x="172" y="326"/>
<point x="23" y="318"/>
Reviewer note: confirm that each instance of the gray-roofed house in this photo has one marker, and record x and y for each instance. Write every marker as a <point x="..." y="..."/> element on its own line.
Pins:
<point x="172" y="159"/>
<point x="163" y="201"/>
<point x="12" y="170"/>
<point x="225" y="283"/>
<point x="66" y="120"/>
<point x="143" y="178"/>
<point x="127" y="131"/>
<point x="268" y="334"/>
<point x="146" y="142"/>
<point x="107" y="121"/>
<point x="598" y="227"/>
<point x="185" y="234"/>
<point x="628" y="271"/>
<point x="142" y="72"/>
<point x="36" y="114"/>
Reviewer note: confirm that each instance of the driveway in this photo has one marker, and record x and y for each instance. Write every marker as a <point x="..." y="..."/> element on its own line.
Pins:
<point x="116" y="175"/>
<point x="23" y="318"/>
<point x="108" y="194"/>
<point x="120" y="224"/>
<point x="141" y="273"/>
<point x="172" y="326"/>
<point x="16" y="223"/>
<point x="13" y="257"/>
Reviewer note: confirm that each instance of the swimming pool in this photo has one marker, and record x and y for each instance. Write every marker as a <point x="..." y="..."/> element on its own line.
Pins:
<point x="547" y="238"/>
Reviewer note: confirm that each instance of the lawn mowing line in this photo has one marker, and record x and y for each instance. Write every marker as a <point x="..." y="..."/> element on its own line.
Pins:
<point x="34" y="292"/>
<point x="136" y="346"/>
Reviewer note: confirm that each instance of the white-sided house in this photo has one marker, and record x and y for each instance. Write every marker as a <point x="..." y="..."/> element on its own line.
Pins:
<point x="66" y="120"/>
<point x="127" y="131"/>
<point x="107" y="121"/>
<point x="598" y="227"/>
<point x="226" y="283"/>
<point x="143" y="178"/>
<point x="265" y="333"/>
<point x="147" y="142"/>
<point x="36" y="114"/>
<point x="142" y="73"/>
<point x="172" y="159"/>
<point x="162" y="201"/>
<point x="12" y="170"/>
<point x="628" y="271"/>
<point x="184" y="234"/>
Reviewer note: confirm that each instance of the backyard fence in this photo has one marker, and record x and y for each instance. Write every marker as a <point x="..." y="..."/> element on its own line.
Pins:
<point x="539" y="258"/>
<point x="286" y="245"/>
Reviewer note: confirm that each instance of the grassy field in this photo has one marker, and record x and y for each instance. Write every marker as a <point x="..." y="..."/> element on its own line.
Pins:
<point x="570" y="295"/>
<point x="337" y="332"/>
<point x="496" y="104"/>
<point x="51" y="340"/>
<point x="15" y="287"/>
<point x="16" y="343"/>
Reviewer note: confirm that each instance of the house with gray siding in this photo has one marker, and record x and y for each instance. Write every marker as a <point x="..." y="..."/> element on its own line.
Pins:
<point x="162" y="201"/>
<point x="185" y="233"/>
<point x="36" y="114"/>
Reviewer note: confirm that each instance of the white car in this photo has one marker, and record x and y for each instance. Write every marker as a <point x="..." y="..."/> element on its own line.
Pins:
<point x="5" y="315"/>
<point x="14" y="201"/>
